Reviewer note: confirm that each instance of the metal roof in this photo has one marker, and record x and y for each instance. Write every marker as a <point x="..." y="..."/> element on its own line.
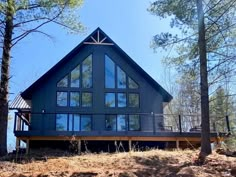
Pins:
<point x="20" y="103"/>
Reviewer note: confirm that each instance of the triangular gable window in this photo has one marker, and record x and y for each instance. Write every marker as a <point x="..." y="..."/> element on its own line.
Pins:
<point x="63" y="82"/>
<point x="115" y="77"/>
<point x="132" y="84"/>
<point x="87" y="72"/>
<point x="80" y="76"/>
<point x="121" y="78"/>
<point x="75" y="77"/>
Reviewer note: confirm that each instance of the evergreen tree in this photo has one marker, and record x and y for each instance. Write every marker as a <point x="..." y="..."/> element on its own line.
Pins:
<point x="18" y="19"/>
<point x="207" y="44"/>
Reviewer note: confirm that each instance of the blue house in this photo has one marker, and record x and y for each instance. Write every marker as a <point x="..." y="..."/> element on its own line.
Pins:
<point x="95" y="93"/>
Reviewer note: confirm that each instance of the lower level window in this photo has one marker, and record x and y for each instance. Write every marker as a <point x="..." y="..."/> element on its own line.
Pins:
<point x="86" y="123"/>
<point x="116" y="122"/>
<point x="111" y="122"/>
<point x="73" y="122"/>
<point x="121" y="123"/>
<point x="61" y="122"/>
<point x="134" y="122"/>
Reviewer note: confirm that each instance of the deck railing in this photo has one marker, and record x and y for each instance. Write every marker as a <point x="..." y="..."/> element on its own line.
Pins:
<point x="43" y="123"/>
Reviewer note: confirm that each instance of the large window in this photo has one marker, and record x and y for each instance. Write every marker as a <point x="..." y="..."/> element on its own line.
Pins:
<point x="115" y="77"/>
<point x="111" y="122"/>
<point x="110" y="99"/>
<point x="109" y="73"/>
<point x="73" y="122"/>
<point x="121" y="78"/>
<point x="86" y="99"/>
<point x="75" y="77"/>
<point x="74" y="99"/>
<point x="62" y="98"/>
<point x="121" y="123"/>
<point x="132" y="84"/>
<point x="79" y="77"/>
<point x="134" y="122"/>
<point x="117" y="80"/>
<point x="87" y="72"/>
<point x="86" y="123"/>
<point x="134" y="100"/>
<point x="121" y="98"/>
<point x="63" y="82"/>
<point x="61" y="122"/>
<point x="76" y="122"/>
<point x="116" y="122"/>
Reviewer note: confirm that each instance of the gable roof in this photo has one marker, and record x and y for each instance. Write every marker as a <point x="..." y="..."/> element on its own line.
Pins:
<point x="97" y="37"/>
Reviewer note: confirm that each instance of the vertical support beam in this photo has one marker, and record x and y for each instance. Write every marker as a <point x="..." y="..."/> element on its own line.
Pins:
<point x="79" y="146"/>
<point x="177" y="144"/>
<point x="17" y="144"/>
<point x="18" y="126"/>
<point x="130" y="145"/>
<point x="227" y="123"/>
<point x="22" y="125"/>
<point x="180" y="125"/>
<point x="27" y="146"/>
<point x="15" y="119"/>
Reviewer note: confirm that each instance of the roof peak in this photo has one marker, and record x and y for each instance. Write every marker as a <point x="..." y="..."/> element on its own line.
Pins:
<point x="98" y="37"/>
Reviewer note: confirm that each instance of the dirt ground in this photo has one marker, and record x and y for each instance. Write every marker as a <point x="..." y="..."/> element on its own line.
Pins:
<point x="128" y="164"/>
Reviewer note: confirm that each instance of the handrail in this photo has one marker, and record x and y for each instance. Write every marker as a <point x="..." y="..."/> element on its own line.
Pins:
<point x="183" y="123"/>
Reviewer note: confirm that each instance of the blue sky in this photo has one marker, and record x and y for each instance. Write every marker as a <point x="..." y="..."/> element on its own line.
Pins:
<point x="128" y="23"/>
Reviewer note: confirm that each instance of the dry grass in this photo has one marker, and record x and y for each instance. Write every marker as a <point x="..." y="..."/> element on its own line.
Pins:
<point x="149" y="163"/>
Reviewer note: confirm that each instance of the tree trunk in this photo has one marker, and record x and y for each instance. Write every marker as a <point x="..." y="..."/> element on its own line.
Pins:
<point x="205" y="135"/>
<point x="5" y="76"/>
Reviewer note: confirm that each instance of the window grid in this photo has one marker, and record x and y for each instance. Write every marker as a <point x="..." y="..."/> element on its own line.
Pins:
<point x="77" y="82"/>
<point x="64" y="124"/>
<point x="132" y="122"/>
<point x="121" y="84"/>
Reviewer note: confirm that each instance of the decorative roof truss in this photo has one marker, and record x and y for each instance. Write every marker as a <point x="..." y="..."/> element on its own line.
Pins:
<point x="98" y="38"/>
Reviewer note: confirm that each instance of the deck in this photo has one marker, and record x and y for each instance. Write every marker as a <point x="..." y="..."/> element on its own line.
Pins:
<point x="180" y="132"/>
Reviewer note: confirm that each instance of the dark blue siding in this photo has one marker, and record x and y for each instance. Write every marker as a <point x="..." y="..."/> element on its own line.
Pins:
<point x="44" y="98"/>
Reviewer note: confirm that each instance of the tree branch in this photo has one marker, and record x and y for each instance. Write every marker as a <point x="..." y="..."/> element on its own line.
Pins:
<point x="22" y="36"/>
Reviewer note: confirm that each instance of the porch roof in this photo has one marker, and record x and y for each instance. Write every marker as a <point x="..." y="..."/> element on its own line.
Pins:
<point x="19" y="103"/>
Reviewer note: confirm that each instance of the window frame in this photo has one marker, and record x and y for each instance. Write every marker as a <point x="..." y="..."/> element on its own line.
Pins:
<point x="70" y="99"/>
<point x="106" y="97"/>
<point x="83" y="92"/>
<point x="72" y="116"/>
<point x="139" y="121"/>
<point x="134" y="93"/>
<point x="67" y="98"/>
<point x="80" y="89"/>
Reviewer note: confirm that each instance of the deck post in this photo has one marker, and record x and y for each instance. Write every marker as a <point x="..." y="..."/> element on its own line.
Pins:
<point x="18" y="126"/>
<point x="27" y="146"/>
<point x="177" y="144"/>
<point x="154" y="122"/>
<point x="15" y="121"/>
<point x="17" y="144"/>
<point x="79" y="146"/>
<point x="227" y="123"/>
<point x="130" y="145"/>
<point x="180" y="126"/>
